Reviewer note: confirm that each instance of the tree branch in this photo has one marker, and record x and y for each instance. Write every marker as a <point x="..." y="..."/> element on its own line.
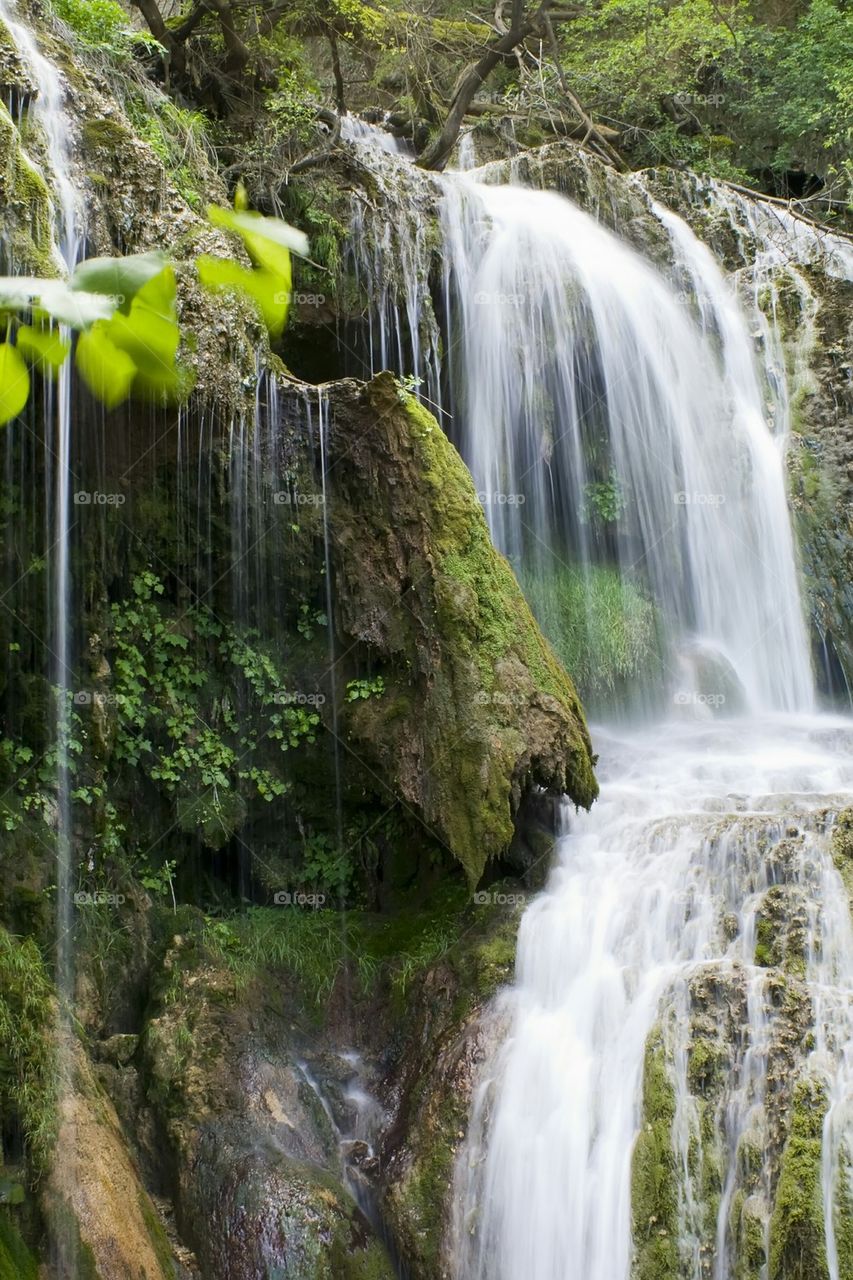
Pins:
<point x="438" y="152"/>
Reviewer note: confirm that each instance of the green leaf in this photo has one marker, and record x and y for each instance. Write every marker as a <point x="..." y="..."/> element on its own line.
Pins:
<point x="270" y="292"/>
<point x="17" y="292"/>
<point x="73" y="307"/>
<point x="14" y="383"/>
<point x="269" y="241"/>
<point x="106" y="369"/>
<point x="120" y="278"/>
<point x="150" y="334"/>
<point x="43" y="348"/>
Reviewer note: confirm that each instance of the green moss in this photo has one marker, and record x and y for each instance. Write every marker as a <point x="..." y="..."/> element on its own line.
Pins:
<point x="797" y="1244"/>
<point x="781" y="931"/>
<point x="28" y="1073"/>
<point x="748" y="1233"/>
<point x="488" y="627"/>
<point x="24" y="198"/>
<point x="16" y="1261"/>
<point x="842" y="1219"/>
<point x="157" y="1236"/>
<point x="605" y="631"/>
<point x="654" y="1176"/>
<point x="842" y="849"/>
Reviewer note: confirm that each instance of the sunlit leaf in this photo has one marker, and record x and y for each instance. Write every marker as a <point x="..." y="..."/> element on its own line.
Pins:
<point x="269" y="241"/>
<point x="150" y="335"/>
<point x="55" y="299"/>
<point x="270" y="292"/>
<point x="71" y="306"/>
<point x="17" y="292"/>
<point x="120" y="278"/>
<point x="106" y="369"/>
<point x="45" y="349"/>
<point x="14" y="383"/>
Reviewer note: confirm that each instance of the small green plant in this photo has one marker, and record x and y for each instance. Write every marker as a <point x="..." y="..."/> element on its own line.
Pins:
<point x="367" y="688"/>
<point x="327" y="867"/>
<point x="28" y="1069"/>
<point x="309" y="619"/>
<point x="604" y="499"/>
<point x="159" y="880"/>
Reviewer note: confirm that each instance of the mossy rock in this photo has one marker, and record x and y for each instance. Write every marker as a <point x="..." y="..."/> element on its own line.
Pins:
<point x="27" y="217"/>
<point x="654" y="1174"/>
<point x="476" y="709"/>
<point x="797" y="1240"/>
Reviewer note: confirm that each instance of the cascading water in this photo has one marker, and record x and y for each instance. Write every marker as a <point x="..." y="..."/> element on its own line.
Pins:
<point x="47" y="111"/>
<point x="570" y="347"/>
<point x="685" y="983"/>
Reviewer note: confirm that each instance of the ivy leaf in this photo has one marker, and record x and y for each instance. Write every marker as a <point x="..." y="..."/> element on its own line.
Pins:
<point x="268" y="241"/>
<point x="45" y="349"/>
<point x="270" y="292"/>
<point x="14" y="383"/>
<point x="106" y="369"/>
<point x="150" y="335"/>
<point x="120" y="278"/>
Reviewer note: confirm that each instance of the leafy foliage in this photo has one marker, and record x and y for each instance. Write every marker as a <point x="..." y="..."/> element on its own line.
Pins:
<point x="125" y="311"/>
<point x="179" y="724"/>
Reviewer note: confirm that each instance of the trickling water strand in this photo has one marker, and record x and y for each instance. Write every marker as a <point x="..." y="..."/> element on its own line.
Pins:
<point x="570" y="345"/>
<point x="644" y="897"/>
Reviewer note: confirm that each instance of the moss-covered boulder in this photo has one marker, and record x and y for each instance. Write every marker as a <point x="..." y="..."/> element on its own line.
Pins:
<point x="473" y="710"/>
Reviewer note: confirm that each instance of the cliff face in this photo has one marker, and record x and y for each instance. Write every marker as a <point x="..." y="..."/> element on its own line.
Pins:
<point x="300" y="669"/>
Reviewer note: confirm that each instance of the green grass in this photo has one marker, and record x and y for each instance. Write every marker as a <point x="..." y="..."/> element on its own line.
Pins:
<point x="605" y="631"/>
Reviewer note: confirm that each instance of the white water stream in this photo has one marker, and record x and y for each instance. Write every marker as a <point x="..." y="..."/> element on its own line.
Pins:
<point x="711" y="833"/>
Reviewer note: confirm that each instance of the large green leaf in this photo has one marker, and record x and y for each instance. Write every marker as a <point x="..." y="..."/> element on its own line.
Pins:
<point x="269" y="241"/>
<point x="55" y="299"/>
<point x="271" y="292"/>
<point x="44" y="348"/>
<point x="150" y="335"/>
<point x="14" y="383"/>
<point x="120" y="278"/>
<point x="106" y="369"/>
<point x="73" y="307"/>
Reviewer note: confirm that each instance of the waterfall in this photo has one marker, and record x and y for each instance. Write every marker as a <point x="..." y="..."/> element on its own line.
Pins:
<point x="574" y="362"/>
<point x="685" y="980"/>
